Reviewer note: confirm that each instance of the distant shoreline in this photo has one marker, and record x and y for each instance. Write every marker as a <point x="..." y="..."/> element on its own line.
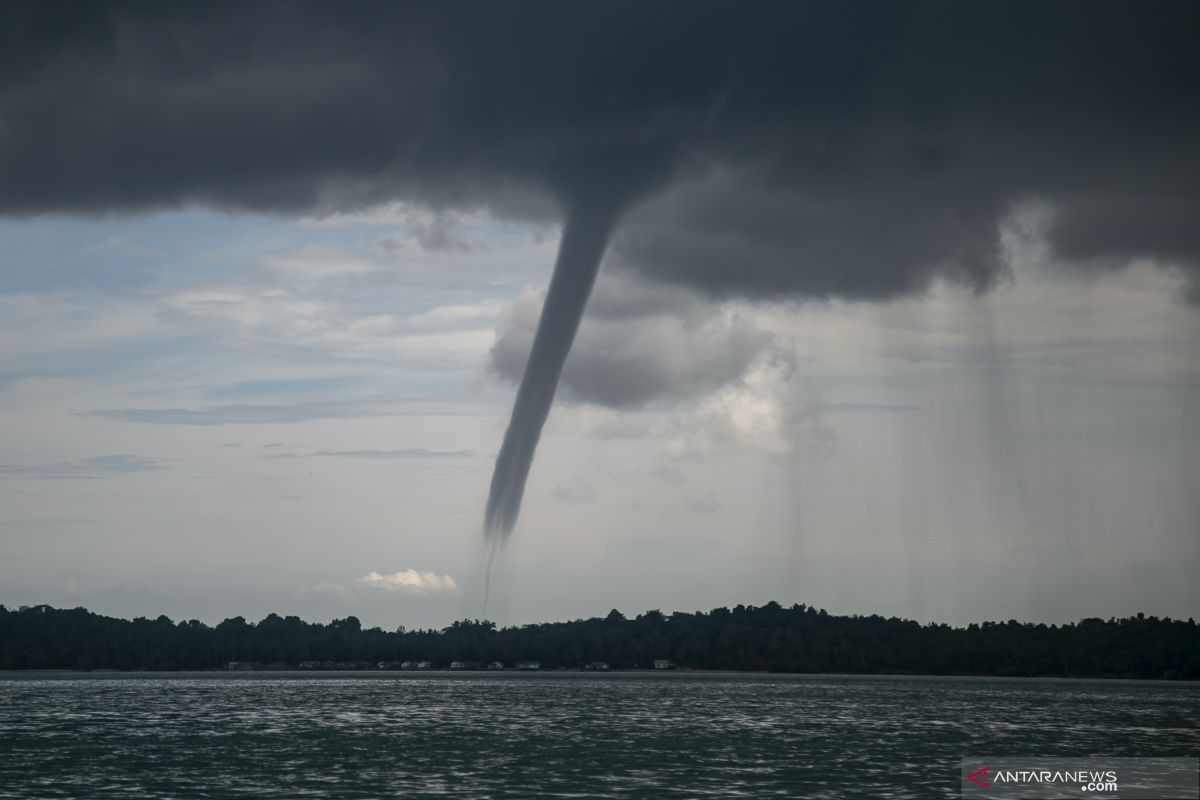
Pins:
<point x="744" y="640"/>
<point x="566" y="671"/>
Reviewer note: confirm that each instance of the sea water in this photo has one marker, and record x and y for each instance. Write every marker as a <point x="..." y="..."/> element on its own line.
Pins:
<point x="614" y="735"/>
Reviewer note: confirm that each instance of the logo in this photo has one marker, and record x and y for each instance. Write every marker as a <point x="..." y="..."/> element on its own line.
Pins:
<point x="973" y="777"/>
<point x="1085" y="778"/>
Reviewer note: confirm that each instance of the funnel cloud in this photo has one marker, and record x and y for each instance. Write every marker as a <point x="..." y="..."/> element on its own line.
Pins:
<point x="584" y="238"/>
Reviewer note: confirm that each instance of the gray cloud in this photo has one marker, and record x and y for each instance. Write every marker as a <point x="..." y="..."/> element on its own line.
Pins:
<point x="435" y="231"/>
<point x="868" y="408"/>
<point x="84" y="469"/>
<point x="635" y="348"/>
<point x="412" y="452"/>
<point x="237" y="414"/>
<point x="851" y="149"/>
<point x="707" y="503"/>
<point x="438" y="234"/>
<point x="417" y="453"/>
<point x="745" y="230"/>
<point x="576" y="490"/>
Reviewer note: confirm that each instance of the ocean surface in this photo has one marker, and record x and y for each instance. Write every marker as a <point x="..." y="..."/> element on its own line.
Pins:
<point x="577" y="735"/>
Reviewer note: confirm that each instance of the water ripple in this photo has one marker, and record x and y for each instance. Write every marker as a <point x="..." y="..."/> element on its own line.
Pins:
<point x="556" y="735"/>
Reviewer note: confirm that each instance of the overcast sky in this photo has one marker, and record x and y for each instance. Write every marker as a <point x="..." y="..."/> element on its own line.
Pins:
<point x="893" y="320"/>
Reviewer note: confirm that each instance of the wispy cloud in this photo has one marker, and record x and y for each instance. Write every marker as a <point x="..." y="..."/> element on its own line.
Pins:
<point x="707" y="503"/>
<point x="410" y="581"/>
<point x="412" y="452"/>
<point x="318" y="263"/>
<point x="576" y="490"/>
<point x="87" y="468"/>
<point x="868" y="408"/>
<point x="121" y="246"/>
<point x="238" y="414"/>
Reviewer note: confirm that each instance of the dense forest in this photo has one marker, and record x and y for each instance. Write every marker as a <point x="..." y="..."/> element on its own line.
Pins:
<point x="769" y="637"/>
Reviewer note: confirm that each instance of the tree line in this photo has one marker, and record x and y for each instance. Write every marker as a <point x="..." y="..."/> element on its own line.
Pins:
<point x="764" y="638"/>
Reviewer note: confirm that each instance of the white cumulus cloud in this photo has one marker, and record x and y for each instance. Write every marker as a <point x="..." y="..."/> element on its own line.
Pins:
<point x="410" y="580"/>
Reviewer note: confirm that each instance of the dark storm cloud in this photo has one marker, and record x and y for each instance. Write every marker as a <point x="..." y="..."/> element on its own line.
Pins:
<point x="782" y="148"/>
<point x="747" y="232"/>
